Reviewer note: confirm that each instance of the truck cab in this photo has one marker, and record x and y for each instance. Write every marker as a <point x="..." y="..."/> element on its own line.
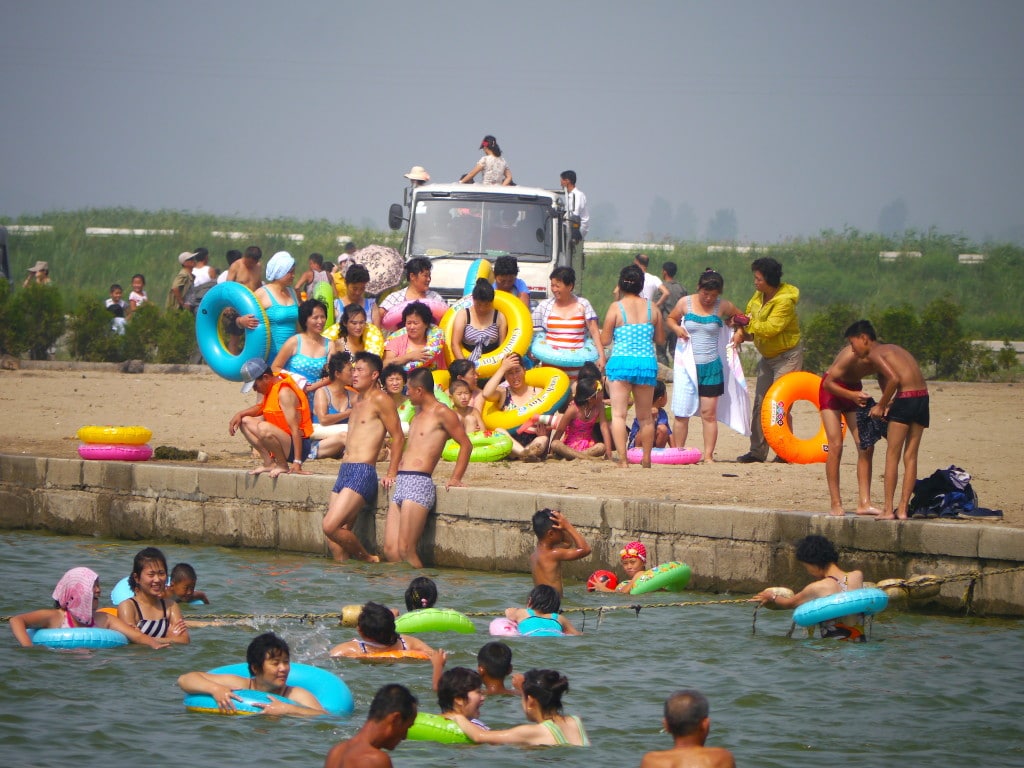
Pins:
<point x="455" y="224"/>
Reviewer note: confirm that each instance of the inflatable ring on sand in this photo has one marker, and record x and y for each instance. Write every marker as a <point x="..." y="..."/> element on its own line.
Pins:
<point x="325" y="293"/>
<point x="559" y="357"/>
<point x="333" y="695"/>
<point x="112" y="435"/>
<point x="77" y="637"/>
<point x="487" y="446"/>
<point x="867" y="601"/>
<point x="230" y="295"/>
<point x="481" y="268"/>
<point x="393" y="317"/>
<point x="554" y="391"/>
<point x="672" y="577"/>
<point x="517" y="340"/>
<point x="665" y="455"/>
<point x="778" y="401"/>
<point x="113" y="452"/>
<point x="434" y="620"/>
<point x="428" y="727"/>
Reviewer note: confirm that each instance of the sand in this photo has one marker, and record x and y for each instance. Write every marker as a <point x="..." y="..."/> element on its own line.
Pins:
<point x="979" y="427"/>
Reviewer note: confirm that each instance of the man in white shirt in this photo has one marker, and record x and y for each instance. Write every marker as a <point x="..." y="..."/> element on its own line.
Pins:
<point x="577" y="202"/>
<point x="652" y="284"/>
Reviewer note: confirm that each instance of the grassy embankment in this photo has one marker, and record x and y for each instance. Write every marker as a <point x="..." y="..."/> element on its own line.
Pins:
<point x="830" y="268"/>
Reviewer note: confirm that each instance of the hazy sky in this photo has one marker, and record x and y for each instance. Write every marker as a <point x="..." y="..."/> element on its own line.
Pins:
<point x="798" y="116"/>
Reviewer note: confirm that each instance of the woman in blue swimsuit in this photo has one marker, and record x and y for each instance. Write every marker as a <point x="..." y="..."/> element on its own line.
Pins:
<point x="305" y="353"/>
<point x="278" y="299"/>
<point x="633" y="328"/>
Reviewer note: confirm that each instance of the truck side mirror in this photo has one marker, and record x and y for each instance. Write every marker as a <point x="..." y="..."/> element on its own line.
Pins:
<point x="395" y="217"/>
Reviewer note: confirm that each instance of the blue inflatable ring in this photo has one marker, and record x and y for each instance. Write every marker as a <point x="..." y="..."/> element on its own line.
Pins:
<point x="480" y="268"/>
<point x="329" y="689"/>
<point x="122" y="592"/>
<point x="230" y="295"/>
<point x="867" y="601"/>
<point x="562" y="358"/>
<point x="77" y="637"/>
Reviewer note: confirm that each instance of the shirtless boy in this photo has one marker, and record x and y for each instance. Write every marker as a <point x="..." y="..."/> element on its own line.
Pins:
<point x="247" y="272"/>
<point x="686" y="718"/>
<point x="392" y="713"/>
<point x="373" y="416"/>
<point x="557" y="541"/>
<point x="904" y="404"/>
<point x="840" y="396"/>
<point x="415" y="494"/>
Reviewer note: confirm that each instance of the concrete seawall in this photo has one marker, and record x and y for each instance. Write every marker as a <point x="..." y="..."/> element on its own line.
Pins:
<point x="729" y="548"/>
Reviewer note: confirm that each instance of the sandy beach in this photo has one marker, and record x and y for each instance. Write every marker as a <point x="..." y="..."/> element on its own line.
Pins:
<point x="979" y="427"/>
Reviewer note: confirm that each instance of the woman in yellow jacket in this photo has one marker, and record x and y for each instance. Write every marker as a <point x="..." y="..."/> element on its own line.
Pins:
<point x="775" y="330"/>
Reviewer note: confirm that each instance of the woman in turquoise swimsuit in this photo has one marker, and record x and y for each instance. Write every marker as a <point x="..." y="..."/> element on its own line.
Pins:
<point x="633" y="328"/>
<point x="542" y="704"/>
<point x="305" y="353"/>
<point x="278" y="299"/>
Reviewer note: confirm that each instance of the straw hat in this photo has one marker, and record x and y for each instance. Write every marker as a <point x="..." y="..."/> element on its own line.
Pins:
<point x="40" y="266"/>
<point x="418" y="173"/>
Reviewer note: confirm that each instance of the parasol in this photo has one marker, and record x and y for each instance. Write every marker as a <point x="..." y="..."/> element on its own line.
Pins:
<point x="384" y="264"/>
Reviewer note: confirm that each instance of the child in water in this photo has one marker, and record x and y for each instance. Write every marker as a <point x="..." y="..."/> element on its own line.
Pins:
<point x="577" y="425"/>
<point x="421" y="593"/>
<point x="76" y="601"/>
<point x="494" y="663"/>
<point x="540" y="616"/>
<point x="149" y="610"/>
<point x="557" y="541"/>
<point x="634" y="561"/>
<point x="182" y="586"/>
<point x="462" y="404"/>
<point x="377" y="634"/>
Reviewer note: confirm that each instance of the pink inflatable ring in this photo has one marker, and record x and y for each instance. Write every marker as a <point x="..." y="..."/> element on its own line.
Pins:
<point x="114" y="452"/>
<point x="665" y="455"/>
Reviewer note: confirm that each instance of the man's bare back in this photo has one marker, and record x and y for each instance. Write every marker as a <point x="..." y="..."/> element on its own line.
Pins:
<point x="689" y="757"/>
<point x="250" y="276"/>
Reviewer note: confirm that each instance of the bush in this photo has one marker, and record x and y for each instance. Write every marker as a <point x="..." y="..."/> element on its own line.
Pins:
<point x="176" y="339"/>
<point x="143" y="333"/>
<point x="92" y="336"/>
<point x="32" y="320"/>
<point x="823" y="336"/>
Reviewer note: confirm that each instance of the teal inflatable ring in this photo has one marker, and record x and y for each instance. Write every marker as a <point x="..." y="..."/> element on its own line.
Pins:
<point x="77" y="637"/>
<point x="867" y="601"/>
<point x="562" y="358"/>
<point x="229" y="295"/>
<point x="332" y="693"/>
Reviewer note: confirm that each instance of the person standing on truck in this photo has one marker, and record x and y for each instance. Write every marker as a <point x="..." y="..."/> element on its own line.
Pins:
<point x="417" y="176"/>
<point x="494" y="167"/>
<point x="577" y="208"/>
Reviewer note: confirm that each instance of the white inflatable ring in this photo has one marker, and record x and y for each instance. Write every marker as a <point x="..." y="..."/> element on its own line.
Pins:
<point x="867" y="601"/>
<point x="554" y="385"/>
<point x="230" y="295"/>
<point x="517" y="340"/>
<point x="114" y="452"/>
<point x="665" y="455"/>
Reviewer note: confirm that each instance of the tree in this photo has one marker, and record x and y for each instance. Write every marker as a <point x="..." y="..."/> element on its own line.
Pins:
<point x="723" y="226"/>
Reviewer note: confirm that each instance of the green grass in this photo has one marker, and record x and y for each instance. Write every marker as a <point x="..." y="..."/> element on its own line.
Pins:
<point x="834" y="267"/>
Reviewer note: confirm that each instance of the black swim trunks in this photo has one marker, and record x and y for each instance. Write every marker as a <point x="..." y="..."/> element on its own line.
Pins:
<point x="910" y="410"/>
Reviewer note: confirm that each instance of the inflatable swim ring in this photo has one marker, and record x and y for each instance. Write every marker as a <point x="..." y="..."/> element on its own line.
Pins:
<point x="665" y="455"/>
<point x="122" y="592"/>
<point x="607" y="578"/>
<point x="373" y="339"/>
<point x="433" y="620"/>
<point x="480" y="268"/>
<point x="867" y="601"/>
<point x="114" y="452"/>
<point x="390" y="656"/>
<point x="230" y="295"/>
<point x="487" y="446"/>
<point x="77" y="637"/>
<point x="393" y="317"/>
<point x="435" y="343"/>
<point x="561" y="358"/>
<point x="778" y="401"/>
<point x="672" y="577"/>
<point x="428" y="727"/>
<point x="332" y="693"/>
<point x="325" y="293"/>
<point x="554" y="386"/>
<point x="115" y="435"/>
<point x="517" y="340"/>
<point x="502" y="627"/>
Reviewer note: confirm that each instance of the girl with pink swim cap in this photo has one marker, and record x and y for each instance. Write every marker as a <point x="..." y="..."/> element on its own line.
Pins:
<point x="634" y="562"/>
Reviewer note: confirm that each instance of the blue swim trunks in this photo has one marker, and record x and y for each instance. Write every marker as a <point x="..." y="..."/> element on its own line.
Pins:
<point x="361" y="478"/>
<point x="417" y="487"/>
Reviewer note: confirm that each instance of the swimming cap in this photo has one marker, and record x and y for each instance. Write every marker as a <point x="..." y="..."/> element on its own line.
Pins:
<point x="280" y="264"/>
<point x="634" y="549"/>
<point x="74" y="594"/>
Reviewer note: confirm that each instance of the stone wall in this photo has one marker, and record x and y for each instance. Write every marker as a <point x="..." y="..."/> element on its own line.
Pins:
<point x="729" y="548"/>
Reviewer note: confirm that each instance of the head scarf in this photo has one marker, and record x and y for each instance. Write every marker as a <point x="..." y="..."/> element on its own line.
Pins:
<point x="74" y="593"/>
<point x="280" y="264"/>
<point x="634" y="549"/>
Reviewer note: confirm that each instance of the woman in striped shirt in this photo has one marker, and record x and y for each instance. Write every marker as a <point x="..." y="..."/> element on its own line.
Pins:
<point x="568" y="319"/>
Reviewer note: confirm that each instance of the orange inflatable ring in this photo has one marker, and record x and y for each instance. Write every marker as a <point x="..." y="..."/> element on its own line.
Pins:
<point x="778" y="401"/>
<point x="392" y="656"/>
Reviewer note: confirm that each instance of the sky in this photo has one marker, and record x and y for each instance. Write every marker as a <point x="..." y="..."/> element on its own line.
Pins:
<point x="781" y="118"/>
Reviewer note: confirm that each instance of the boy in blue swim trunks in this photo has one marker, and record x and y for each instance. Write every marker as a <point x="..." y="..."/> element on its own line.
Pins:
<point x="662" y="431"/>
<point x="904" y="404"/>
<point x="415" y="495"/>
<point x="373" y="416"/>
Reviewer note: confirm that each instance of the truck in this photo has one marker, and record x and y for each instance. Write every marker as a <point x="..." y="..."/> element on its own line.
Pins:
<point x="455" y="224"/>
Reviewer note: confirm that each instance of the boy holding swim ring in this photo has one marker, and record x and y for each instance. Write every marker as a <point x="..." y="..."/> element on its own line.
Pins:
<point x="633" y="557"/>
<point x="269" y="661"/>
<point x="149" y="611"/>
<point x="76" y="600"/>
<point x="557" y="542"/>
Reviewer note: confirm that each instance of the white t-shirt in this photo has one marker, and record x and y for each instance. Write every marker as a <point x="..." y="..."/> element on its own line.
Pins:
<point x="651" y="286"/>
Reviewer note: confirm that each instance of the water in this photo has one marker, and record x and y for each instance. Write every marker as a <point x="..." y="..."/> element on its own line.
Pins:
<point x="925" y="691"/>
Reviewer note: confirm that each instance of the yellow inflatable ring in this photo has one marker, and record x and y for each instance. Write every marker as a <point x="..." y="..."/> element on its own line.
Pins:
<point x="554" y="385"/>
<point x="778" y="401"/>
<point x="517" y="340"/>
<point x="115" y="435"/>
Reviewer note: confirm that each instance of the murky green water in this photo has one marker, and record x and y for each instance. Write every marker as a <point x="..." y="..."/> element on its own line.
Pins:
<point x="927" y="691"/>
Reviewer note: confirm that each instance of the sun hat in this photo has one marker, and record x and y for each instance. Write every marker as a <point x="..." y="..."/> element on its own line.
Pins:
<point x="40" y="266"/>
<point x="252" y="369"/>
<point x="185" y="256"/>
<point x="418" y="173"/>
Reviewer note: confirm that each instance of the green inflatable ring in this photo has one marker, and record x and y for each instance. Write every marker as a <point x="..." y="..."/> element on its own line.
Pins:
<point x="487" y="446"/>
<point x="434" y="620"/>
<point x="672" y="577"/>
<point x="428" y="727"/>
<point x="325" y="293"/>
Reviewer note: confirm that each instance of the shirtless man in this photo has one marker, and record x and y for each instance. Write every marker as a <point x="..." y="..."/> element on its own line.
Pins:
<point x="246" y="271"/>
<point x="557" y="541"/>
<point x="840" y="395"/>
<point x="686" y="718"/>
<point x="415" y="495"/>
<point x="373" y="416"/>
<point x="904" y="404"/>
<point x="392" y="713"/>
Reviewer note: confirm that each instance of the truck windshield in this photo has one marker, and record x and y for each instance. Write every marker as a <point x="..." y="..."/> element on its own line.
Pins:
<point x="473" y="228"/>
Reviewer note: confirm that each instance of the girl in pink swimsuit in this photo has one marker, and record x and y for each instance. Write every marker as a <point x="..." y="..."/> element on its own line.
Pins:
<point x="577" y="425"/>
